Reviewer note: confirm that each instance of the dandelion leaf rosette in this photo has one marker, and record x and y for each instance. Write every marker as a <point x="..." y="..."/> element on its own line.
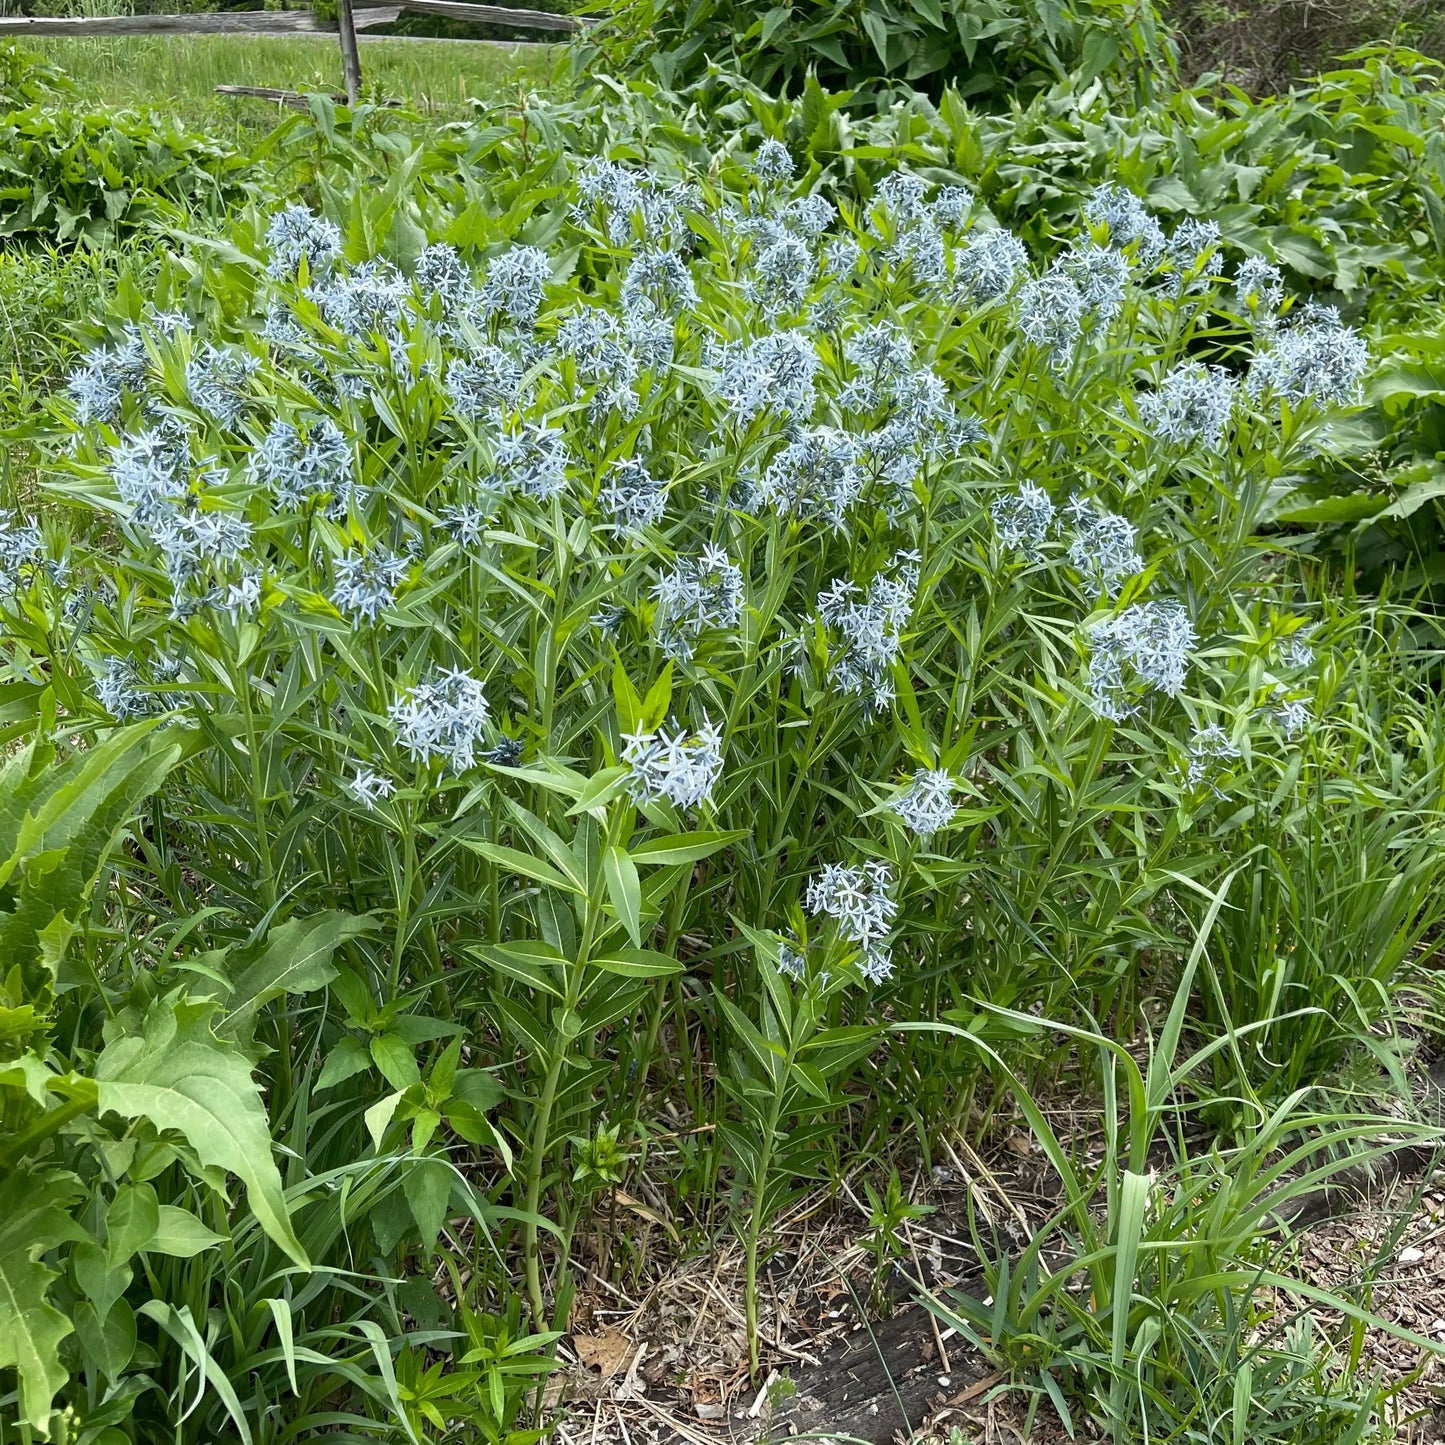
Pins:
<point x="33" y="1219"/>
<point x="180" y="1076"/>
<point x="57" y="826"/>
<point x="295" y="958"/>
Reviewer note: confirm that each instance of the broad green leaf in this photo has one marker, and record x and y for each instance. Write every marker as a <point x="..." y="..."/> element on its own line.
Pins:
<point x="1354" y="507"/>
<point x="1416" y="494"/>
<point x="427" y="1184"/>
<point x="417" y="1029"/>
<point x="478" y="1087"/>
<point x="444" y="1072"/>
<point x="468" y="1123"/>
<point x="393" y="1056"/>
<point x="180" y="1234"/>
<point x="378" y="1117"/>
<point x="33" y="1219"/>
<point x="47" y="811"/>
<point x="101" y="1281"/>
<point x="345" y="1061"/>
<point x="177" y="1074"/>
<point x="774" y="20"/>
<point x="131" y="1221"/>
<point x="624" y="888"/>
<point x="424" y="1124"/>
<point x="109" y="1342"/>
<point x="877" y="29"/>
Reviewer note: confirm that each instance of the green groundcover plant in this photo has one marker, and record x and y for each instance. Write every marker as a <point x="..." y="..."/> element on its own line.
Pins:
<point x="636" y="636"/>
<point x="72" y="174"/>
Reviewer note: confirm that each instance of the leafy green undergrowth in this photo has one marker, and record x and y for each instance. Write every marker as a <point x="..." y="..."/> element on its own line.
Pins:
<point x="640" y="650"/>
<point x="92" y="175"/>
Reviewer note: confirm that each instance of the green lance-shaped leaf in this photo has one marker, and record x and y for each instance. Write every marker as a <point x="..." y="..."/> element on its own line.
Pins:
<point x="683" y="847"/>
<point x="33" y="1218"/>
<point x="625" y="890"/>
<point x="180" y="1076"/>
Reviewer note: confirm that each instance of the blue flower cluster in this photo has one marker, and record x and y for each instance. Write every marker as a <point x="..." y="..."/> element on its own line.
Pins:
<point x="1149" y="643"/>
<point x="926" y="805"/>
<point x="734" y="428"/>
<point x="864" y="629"/>
<point x="860" y="901"/>
<point x="699" y="594"/>
<point x="682" y="767"/>
<point x="442" y="719"/>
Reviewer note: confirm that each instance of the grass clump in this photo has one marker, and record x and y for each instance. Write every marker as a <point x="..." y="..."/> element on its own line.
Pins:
<point x="439" y="80"/>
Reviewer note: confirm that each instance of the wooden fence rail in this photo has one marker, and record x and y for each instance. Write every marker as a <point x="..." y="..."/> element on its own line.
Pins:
<point x="282" y="22"/>
<point x="488" y="14"/>
<point x="292" y="22"/>
<point x="224" y="22"/>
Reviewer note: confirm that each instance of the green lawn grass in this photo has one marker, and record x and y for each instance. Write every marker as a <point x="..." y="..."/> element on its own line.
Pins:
<point x="179" y="74"/>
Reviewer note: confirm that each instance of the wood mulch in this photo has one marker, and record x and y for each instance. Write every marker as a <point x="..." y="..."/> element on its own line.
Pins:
<point x="847" y="1361"/>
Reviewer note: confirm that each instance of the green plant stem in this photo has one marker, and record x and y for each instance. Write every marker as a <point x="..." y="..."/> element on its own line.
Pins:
<point x="257" y="785"/>
<point x="403" y="902"/>
<point x="48" y="1123"/>
<point x="755" y="1229"/>
<point x="537" y="1149"/>
<point x="537" y="1156"/>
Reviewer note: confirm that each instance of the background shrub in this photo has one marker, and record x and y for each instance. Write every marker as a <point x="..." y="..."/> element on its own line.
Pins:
<point x="26" y="78"/>
<point x="993" y="50"/>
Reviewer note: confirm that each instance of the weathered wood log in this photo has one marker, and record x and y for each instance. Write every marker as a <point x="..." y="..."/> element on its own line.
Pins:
<point x="380" y="15"/>
<point x="296" y="99"/>
<point x="280" y="22"/>
<point x="878" y="1383"/>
